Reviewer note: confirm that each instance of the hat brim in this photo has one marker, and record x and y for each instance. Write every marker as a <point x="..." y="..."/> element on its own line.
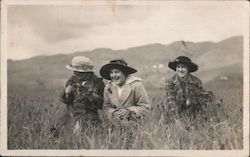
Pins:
<point x="192" y="67"/>
<point x="73" y="68"/>
<point x="105" y="70"/>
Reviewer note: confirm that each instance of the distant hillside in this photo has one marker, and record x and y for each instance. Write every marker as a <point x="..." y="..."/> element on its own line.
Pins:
<point x="214" y="60"/>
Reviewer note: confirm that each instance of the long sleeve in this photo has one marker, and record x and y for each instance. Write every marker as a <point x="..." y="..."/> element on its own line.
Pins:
<point x="142" y="104"/>
<point x="170" y="95"/>
<point x="203" y="95"/>
<point x="98" y="96"/>
<point x="68" y="100"/>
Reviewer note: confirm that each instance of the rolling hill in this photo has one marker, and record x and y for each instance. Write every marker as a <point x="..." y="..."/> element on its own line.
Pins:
<point x="215" y="60"/>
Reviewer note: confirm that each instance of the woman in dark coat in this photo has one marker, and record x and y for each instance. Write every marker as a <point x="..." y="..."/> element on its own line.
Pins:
<point x="184" y="91"/>
<point x="83" y="96"/>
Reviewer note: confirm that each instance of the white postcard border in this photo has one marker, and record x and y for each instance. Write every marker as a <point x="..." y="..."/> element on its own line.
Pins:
<point x="6" y="152"/>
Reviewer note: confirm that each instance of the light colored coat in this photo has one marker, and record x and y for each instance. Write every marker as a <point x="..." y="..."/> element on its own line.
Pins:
<point x="133" y="97"/>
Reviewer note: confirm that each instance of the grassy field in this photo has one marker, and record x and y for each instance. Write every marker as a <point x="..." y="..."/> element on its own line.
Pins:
<point x="32" y="112"/>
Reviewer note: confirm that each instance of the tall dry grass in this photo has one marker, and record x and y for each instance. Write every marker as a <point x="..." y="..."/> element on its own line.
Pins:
<point x="32" y="114"/>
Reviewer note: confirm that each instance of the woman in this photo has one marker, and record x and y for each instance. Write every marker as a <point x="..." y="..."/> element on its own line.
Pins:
<point x="184" y="91"/>
<point x="125" y="97"/>
<point x="83" y="92"/>
<point x="83" y="96"/>
<point x="126" y="102"/>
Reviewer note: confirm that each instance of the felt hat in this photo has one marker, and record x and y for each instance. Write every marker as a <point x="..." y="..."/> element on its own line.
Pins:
<point x="192" y="67"/>
<point x="117" y="64"/>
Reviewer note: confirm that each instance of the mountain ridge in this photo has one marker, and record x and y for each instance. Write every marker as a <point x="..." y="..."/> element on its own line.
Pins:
<point x="150" y="60"/>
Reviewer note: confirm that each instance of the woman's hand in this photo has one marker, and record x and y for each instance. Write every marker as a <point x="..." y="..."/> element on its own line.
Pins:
<point x="121" y="114"/>
<point x="188" y="102"/>
<point x="68" y="90"/>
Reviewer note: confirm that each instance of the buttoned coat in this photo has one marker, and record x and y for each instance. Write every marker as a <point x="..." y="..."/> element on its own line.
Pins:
<point x="133" y="97"/>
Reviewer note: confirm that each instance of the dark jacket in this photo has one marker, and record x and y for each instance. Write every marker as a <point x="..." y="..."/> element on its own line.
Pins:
<point x="178" y="92"/>
<point x="87" y="94"/>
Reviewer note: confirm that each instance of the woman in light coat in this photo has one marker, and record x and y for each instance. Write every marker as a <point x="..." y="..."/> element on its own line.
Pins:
<point x="125" y="97"/>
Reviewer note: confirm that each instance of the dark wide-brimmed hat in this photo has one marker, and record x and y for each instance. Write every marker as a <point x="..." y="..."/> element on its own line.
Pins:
<point x="81" y="64"/>
<point x="192" y="67"/>
<point x="117" y="64"/>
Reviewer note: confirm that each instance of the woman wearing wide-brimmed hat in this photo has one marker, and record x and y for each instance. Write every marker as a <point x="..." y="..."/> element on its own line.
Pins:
<point x="184" y="91"/>
<point x="124" y="95"/>
<point x="83" y="95"/>
<point x="84" y="90"/>
<point x="126" y="102"/>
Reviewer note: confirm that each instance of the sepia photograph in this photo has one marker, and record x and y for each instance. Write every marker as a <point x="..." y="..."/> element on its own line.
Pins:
<point x="124" y="78"/>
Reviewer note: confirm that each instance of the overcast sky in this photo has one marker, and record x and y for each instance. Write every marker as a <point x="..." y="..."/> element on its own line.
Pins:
<point x="47" y="30"/>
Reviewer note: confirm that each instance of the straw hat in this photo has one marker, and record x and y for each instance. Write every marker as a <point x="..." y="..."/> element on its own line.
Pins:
<point x="118" y="64"/>
<point x="192" y="67"/>
<point x="81" y="64"/>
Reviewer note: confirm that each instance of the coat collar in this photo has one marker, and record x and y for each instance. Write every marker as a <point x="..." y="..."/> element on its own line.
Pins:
<point x="125" y="92"/>
<point x="189" y="79"/>
<point x="130" y="79"/>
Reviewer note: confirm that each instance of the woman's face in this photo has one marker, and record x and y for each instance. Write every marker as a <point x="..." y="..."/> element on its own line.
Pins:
<point x="182" y="70"/>
<point x="82" y="74"/>
<point x="117" y="77"/>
